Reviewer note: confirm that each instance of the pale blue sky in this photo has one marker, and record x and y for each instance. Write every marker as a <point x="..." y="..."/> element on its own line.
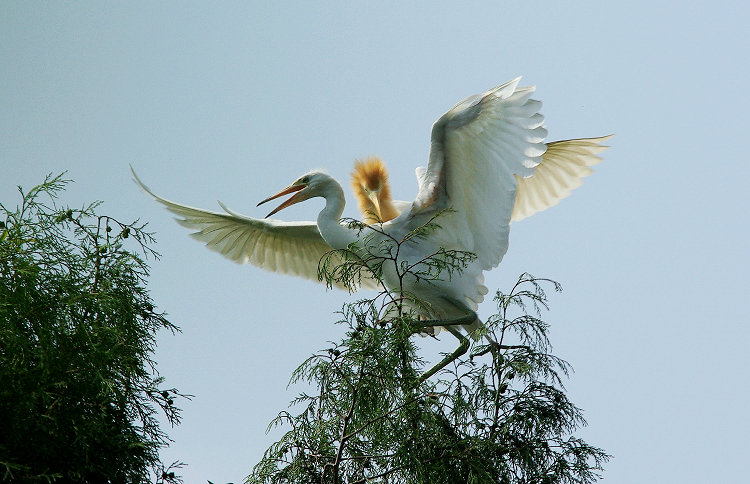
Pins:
<point x="232" y="101"/>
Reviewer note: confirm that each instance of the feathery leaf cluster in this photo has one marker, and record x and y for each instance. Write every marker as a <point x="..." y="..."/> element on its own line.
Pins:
<point x="79" y="390"/>
<point x="497" y="415"/>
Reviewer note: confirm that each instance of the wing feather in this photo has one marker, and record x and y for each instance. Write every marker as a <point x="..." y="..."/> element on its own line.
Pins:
<point x="563" y="166"/>
<point x="479" y="148"/>
<point x="294" y="248"/>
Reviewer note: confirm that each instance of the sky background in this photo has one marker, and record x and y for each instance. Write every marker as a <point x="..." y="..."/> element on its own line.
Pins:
<point x="233" y="101"/>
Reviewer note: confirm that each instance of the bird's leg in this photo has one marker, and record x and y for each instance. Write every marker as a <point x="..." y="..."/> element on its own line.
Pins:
<point x="427" y="330"/>
<point x="462" y="347"/>
<point x="492" y="346"/>
<point x="449" y="324"/>
<point x="467" y="318"/>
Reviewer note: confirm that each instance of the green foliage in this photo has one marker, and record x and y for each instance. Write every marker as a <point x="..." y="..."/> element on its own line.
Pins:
<point x="79" y="391"/>
<point x="499" y="414"/>
<point x="378" y="249"/>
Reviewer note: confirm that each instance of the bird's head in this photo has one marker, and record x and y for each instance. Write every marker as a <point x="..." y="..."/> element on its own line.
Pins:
<point x="309" y="185"/>
<point x="370" y="174"/>
<point x="370" y="184"/>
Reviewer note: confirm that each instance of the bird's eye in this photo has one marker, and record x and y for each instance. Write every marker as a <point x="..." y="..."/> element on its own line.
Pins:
<point x="304" y="179"/>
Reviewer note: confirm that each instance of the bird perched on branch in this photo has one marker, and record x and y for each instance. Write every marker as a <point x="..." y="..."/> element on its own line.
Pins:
<point x="488" y="165"/>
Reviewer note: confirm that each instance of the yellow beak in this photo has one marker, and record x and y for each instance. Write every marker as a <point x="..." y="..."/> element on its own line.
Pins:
<point x="375" y="201"/>
<point x="298" y="197"/>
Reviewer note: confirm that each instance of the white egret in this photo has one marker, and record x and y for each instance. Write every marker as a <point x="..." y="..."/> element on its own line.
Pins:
<point x="483" y="170"/>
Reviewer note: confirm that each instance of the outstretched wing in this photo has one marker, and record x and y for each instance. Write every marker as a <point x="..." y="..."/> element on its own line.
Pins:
<point x="478" y="149"/>
<point x="294" y="248"/>
<point x="563" y="166"/>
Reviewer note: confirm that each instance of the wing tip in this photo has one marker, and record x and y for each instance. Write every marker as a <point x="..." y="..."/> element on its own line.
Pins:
<point x="579" y="153"/>
<point x="140" y="183"/>
<point x="509" y="88"/>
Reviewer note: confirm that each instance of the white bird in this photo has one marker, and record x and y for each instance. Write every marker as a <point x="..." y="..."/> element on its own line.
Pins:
<point x="483" y="170"/>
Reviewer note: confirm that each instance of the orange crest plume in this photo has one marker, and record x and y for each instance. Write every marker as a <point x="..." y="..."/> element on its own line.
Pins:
<point x="370" y="185"/>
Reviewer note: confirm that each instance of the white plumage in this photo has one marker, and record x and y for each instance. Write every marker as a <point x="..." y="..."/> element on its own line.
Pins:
<point x="484" y="169"/>
<point x="563" y="166"/>
<point x="293" y="248"/>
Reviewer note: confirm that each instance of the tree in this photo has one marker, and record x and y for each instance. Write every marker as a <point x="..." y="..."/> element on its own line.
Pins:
<point x="79" y="390"/>
<point x="499" y="414"/>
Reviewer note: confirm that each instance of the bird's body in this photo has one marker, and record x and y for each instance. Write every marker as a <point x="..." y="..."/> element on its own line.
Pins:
<point x="482" y="163"/>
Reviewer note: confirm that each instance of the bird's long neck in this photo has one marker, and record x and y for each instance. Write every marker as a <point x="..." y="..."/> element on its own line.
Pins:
<point x="335" y="234"/>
